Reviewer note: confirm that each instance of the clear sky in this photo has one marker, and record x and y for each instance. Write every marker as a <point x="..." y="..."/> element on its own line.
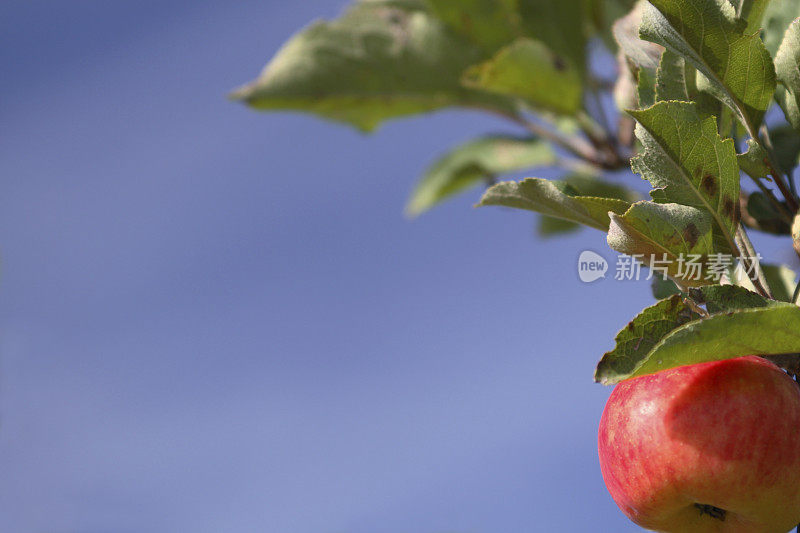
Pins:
<point x="215" y="320"/>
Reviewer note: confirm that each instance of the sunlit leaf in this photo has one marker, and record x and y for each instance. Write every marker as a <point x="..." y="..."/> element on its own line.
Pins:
<point x="555" y="199"/>
<point x="666" y="234"/>
<point x="635" y="340"/>
<point x="707" y="34"/>
<point x="688" y="163"/>
<point x="741" y="323"/>
<point x="770" y="330"/>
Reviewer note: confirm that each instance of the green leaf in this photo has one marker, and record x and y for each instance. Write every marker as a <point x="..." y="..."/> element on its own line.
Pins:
<point x="752" y="11"/>
<point x="560" y="25"/>
<point x="777" y="17"/>
<point x="664" y="233"/>
<point x="786" y="69"/>
<point x="603" y="13"/>
<point x="727" y="298"/>
<point x="582" y="185"/>
<point x="707" y="34"/>
<point x="764" y="216"/>
<point x="551" y="226"/>
<point x="754" y="160"/>
<point x="554" y="199"/>
<point x="688" y="163"/>
<point x="741" y="323"/>
<point x="529" y="70"/>
<point x="488" y="23"/>
<point x="771" y="330"/>
<point x="670" y="78"/>
<point x="635" y="340"/>
<point x="786" y="145"/>
<point x="781" y="280"/>
<point x="586" y="185"/>
<point x="378" y="61"/>
<point x="476" y="162"/>
<point x="663" y="287"/>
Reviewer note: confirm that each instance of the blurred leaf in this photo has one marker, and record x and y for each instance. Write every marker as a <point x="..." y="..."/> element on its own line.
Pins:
<point x="707" y="35"/>
<point x="786" y="145"/>
<point x="529" y="70"/>
<point x="764" y="216"/>
<point x="488" y="23"/>
<point x="752" y="11"/>
<point x="642" y="54"/>
<point x="556" y="199"/>
<point x="777" y="17"/>
<point x="560" y="26"/>
<point x="476" y="162"/>
<point x="770" y="330"/>
<point x="781" y="280"/>
<point x="664" y="232"/>
<point x="602" y="14"/>
<point x="796" y="233"/>
<point x="551" y="226"/>
<point x="635" y="340"/>
<point x="796" y="228"/>
<point x="787" y="72"/>
<point x="688" y="163"/>
<point x="663" y="288"/>
<point x="640" y="58"/>
<point x="379" y="60"/>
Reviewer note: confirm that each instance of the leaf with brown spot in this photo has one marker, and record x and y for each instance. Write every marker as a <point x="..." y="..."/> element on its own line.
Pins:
<point x="688" y="163"/>
<point x="664" y="232"/>
<point x="636" y="339"/>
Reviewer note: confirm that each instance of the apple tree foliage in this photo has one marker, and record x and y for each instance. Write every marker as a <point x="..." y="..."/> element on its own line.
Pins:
<point x="708" y="113"/>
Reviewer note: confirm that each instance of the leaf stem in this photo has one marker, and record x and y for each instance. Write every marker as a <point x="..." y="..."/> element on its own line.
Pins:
<point x="796" y="295"/>
<point x="602" y="141"/>
<point x="574" y="145"/>
<point x="748" y="254"/>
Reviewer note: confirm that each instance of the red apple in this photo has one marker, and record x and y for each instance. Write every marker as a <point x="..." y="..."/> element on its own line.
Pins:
<point x="712" y="447"/>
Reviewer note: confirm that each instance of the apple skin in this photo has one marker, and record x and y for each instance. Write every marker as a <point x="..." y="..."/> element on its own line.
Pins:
<point x="711" y="447"/>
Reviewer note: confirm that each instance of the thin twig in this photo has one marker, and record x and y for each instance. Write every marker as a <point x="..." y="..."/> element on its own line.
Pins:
<point x="574" y="145"/>
<point x="796" y="295"/>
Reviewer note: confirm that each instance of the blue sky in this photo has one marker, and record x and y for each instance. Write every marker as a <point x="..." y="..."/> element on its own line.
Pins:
<point x="219" y="320"/>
